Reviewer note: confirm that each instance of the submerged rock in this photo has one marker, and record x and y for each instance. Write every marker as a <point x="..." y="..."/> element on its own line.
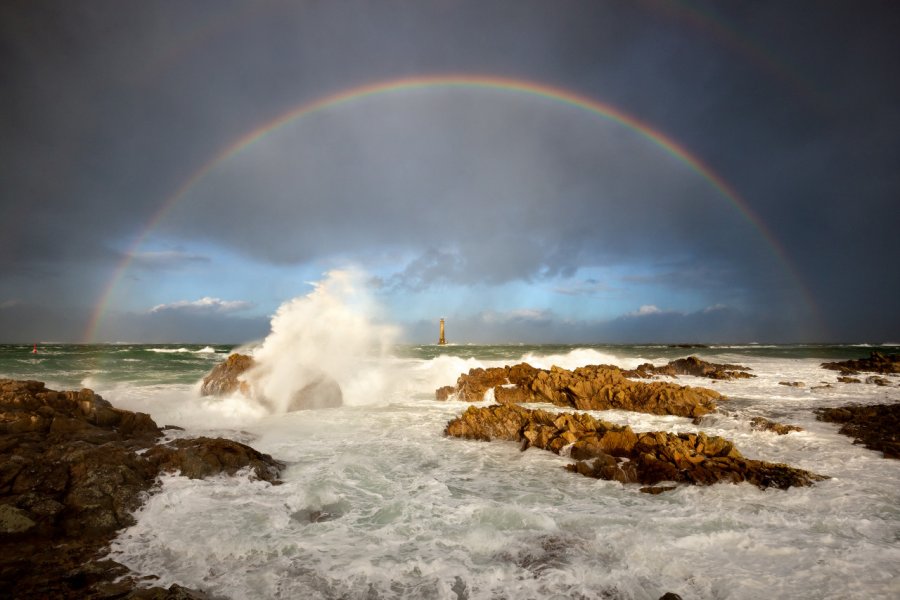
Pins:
<point x="73" y="469"/>
<point x="607" y="451"/>
<point x="594" y="387"/>
<point x="763" y="424"/>
<point x="877" y="427"/>
<point x="876" y="363"/>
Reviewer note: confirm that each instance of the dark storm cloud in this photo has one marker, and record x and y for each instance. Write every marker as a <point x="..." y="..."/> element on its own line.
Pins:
<point x="109" y="107"/>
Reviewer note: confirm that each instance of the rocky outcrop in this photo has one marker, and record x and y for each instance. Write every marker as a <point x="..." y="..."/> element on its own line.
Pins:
<point x="692" y="366"/>
<point x="613" y="452"/>
<point x="594" y="387"/>
<point x="763" y="424"/>
<point x="877" y="427"/>
<point x="226" y="378"/>
<point x="876" y="363"/>
<point x="796" y="384"/>
<point x="223" y="379"/>
<point x="73" y="469"/>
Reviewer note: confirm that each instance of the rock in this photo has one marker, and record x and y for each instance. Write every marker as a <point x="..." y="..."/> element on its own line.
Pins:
<point x="797" y="384"/>
<point x="73" y="469"/>
<point x="223" y="379"/>
<point x="877" y="427"/>
<point x="444" y="393"/>
<point x="845" y="379"/>
<point x="877" y="380"/>
<point x="594" y="387"/>
<point x="656" y="489"/>
<point x="202" y="457"/>
<point x="692" y="366"/>
<point x="14" y="520"/>
<point x="670" y="596"/>
<point x="875" y="363"/>
<point x="763" y="424"/>
<point x="607" y="451"/>
<point x="324" y="392"/>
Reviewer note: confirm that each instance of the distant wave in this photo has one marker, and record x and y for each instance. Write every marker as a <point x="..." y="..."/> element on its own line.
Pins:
<point x="204" y="350"/>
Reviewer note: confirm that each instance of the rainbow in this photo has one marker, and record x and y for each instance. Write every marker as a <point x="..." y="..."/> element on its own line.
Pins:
<point x="467" y="82"/>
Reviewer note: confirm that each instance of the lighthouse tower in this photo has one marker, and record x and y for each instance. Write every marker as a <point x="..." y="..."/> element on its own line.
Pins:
<point x="442" y="341"/>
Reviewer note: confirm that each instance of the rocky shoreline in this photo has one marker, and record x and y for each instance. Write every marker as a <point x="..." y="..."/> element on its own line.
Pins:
<point x="613" y="452"/>
<point x="73" y="469"/>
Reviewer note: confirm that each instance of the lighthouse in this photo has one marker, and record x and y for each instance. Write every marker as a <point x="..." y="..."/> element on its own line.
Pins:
<point x="441" y="340"/>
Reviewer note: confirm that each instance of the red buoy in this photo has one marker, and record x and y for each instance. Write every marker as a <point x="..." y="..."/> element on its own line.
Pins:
<point x="34" y="351"/>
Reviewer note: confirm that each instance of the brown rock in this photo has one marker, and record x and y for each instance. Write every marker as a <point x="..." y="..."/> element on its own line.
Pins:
<point x="845" y="379"/>
<point x="614" y="452"/>
<point x="595" y="387"/>
<point x="444" y="393"/>
<point x="877" y="426"/>
<point x="798" y="384"/>
<point x="223" y="379"/>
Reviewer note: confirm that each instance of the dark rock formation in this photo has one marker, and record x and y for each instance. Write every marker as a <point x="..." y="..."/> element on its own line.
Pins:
<point x="876" y="363"/>
<point x="763" y="424"/>
<point x="692" y="366"/>
<point x="595" y="387"/>
<point x="73" y="469"/>
<point x="223" y="379"/>
<point x="877" y="427"/>
<point x="607" y="451"/>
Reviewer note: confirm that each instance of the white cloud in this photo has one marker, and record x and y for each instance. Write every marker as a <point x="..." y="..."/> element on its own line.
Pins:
<point x="646" y="309"/>
<point x="206" y="304"/>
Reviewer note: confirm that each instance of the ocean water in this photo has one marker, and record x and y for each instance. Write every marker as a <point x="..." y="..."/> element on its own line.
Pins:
<point x="377" y="503"/>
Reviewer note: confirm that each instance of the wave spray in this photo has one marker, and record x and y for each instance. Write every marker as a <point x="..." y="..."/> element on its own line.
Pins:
<point x="331" y="334"/>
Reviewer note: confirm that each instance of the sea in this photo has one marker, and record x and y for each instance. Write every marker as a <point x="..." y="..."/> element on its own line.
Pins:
<point x="377" y="503"/>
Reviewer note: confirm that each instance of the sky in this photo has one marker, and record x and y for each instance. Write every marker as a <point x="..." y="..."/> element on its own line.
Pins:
<point x="574" y="171"/>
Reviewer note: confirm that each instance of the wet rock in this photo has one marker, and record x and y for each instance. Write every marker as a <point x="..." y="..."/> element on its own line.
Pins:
<point x="763" y="424"/>
<point x="224" y="380"/>
<point x="593" y="387"/>
<point x="73" y="469"/>
<point x="876" y="363"/>
<point x="444" y="393"/>
<point x="201" y="457"/>
<point x="877" y="380"/>
<point x="324" y="392"/>
<point x="657" y="489"/>
<point x="796" y="384"/>
<point x="693" y="366"/>
<point x="845" y="379"/>
<point x="607" y="451"/>
<point x="877" y="427"/>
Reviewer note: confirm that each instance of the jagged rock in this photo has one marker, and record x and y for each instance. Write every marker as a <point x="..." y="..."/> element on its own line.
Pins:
<point x="223" y="379"/>
<point x="73" y="469"/>
<point x="877" y="427"/>
<point x="594" y="387"/>
<point x="763" y="424"/>
<point x="444" y="393"/>
<point x="607" y="451"/>
<point x="875" y="363"/>
<point x="692" y="366"/>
